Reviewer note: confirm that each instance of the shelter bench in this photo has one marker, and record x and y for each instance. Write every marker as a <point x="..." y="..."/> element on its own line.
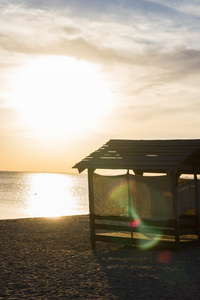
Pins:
<point x="146" y="234"/>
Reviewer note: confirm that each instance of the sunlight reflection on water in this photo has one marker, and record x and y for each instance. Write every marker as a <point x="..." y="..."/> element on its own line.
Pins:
<point x="42" y="195"/>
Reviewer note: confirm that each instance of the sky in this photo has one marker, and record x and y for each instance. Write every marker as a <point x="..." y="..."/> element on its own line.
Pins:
<point x="76" y="73"/>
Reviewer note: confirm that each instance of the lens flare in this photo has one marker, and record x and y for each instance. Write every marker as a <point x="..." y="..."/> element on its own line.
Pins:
<point x="135" y="223"/>
<point x="113" y="197"/>
<point x="164" y="257"/>
<point x="151" y="242"/>
<point x="135" y="219"/>
<point x="118" y="199"/>
<point x="150" y="238"/>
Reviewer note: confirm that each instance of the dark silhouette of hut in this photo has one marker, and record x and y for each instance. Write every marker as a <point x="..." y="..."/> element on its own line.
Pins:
<point x="151" y="203"/>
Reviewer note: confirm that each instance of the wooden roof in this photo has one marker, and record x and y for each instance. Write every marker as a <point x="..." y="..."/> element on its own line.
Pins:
<point x="145" y="156"/>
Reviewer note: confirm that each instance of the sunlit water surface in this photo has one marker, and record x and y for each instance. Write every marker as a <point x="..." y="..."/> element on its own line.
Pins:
<point x="25" y="195"/>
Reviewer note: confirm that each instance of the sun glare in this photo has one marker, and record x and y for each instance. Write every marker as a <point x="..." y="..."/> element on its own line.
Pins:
<point x="52" y="195"/>
<point x="59" y="94"/>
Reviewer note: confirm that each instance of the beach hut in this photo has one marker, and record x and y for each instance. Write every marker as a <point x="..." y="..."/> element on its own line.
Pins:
<point x="156" y="201"/>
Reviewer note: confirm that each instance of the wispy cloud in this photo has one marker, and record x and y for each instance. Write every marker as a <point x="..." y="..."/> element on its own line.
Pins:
<point x="149" y="49"/>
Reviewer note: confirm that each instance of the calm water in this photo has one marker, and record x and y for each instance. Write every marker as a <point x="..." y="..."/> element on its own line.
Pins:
<point x="25" y="195"/>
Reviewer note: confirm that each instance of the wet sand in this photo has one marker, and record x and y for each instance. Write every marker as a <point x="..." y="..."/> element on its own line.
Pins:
<point x="43" y="258"/>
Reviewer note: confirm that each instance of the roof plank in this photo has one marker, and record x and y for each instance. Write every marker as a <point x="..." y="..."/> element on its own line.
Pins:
<point x="144" y="155"/>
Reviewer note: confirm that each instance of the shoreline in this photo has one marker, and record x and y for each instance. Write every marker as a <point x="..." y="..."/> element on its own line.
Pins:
<point x="51" y="258"/>
<point x="42" y="217"/>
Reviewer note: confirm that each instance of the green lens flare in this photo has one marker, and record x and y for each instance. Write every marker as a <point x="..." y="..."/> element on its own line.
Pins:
<point x="150" y="238"/>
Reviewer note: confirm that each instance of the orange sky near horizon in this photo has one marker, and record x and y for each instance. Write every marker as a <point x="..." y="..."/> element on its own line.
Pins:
<point x="74" y="76"/>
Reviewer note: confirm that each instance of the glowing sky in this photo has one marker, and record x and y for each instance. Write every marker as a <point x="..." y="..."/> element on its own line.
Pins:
<point x="75" y="73"/>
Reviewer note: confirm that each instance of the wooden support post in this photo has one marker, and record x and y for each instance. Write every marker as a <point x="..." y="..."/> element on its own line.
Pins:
<point x="91" y="208"/>
<point x="197" y="210"/>
<point x="176" y="208"/>
<point x="129" y="200"/>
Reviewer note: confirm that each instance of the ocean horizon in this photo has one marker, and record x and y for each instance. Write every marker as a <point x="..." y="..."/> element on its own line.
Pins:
<point x="41" y="194"/>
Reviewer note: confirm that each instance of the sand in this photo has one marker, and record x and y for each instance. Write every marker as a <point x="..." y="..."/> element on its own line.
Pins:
<point x="45" y="258"/>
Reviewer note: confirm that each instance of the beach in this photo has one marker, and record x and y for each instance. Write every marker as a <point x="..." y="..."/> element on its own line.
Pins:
<point x="51" y="258"/>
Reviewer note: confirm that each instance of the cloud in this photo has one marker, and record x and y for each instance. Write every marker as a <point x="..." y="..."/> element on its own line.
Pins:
<point x="40" y="31"/>
<point x="147" y="50"/>
<point x="185" y="6"/>
<point x="144" y="47"/>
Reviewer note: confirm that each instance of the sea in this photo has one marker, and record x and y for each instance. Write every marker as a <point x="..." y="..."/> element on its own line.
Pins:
<point x="28" y="195"/>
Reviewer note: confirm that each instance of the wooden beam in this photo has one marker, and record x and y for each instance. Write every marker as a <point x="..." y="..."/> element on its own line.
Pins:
<point x="91" y="208"/>
<point x="138" y="172"/>
<point x="197" y="204"/>
<point x="176" y="208"/>
<point x="129" y="200"/>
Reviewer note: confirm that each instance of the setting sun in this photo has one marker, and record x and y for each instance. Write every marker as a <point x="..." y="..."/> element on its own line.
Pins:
<point x="55" y="94"/>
